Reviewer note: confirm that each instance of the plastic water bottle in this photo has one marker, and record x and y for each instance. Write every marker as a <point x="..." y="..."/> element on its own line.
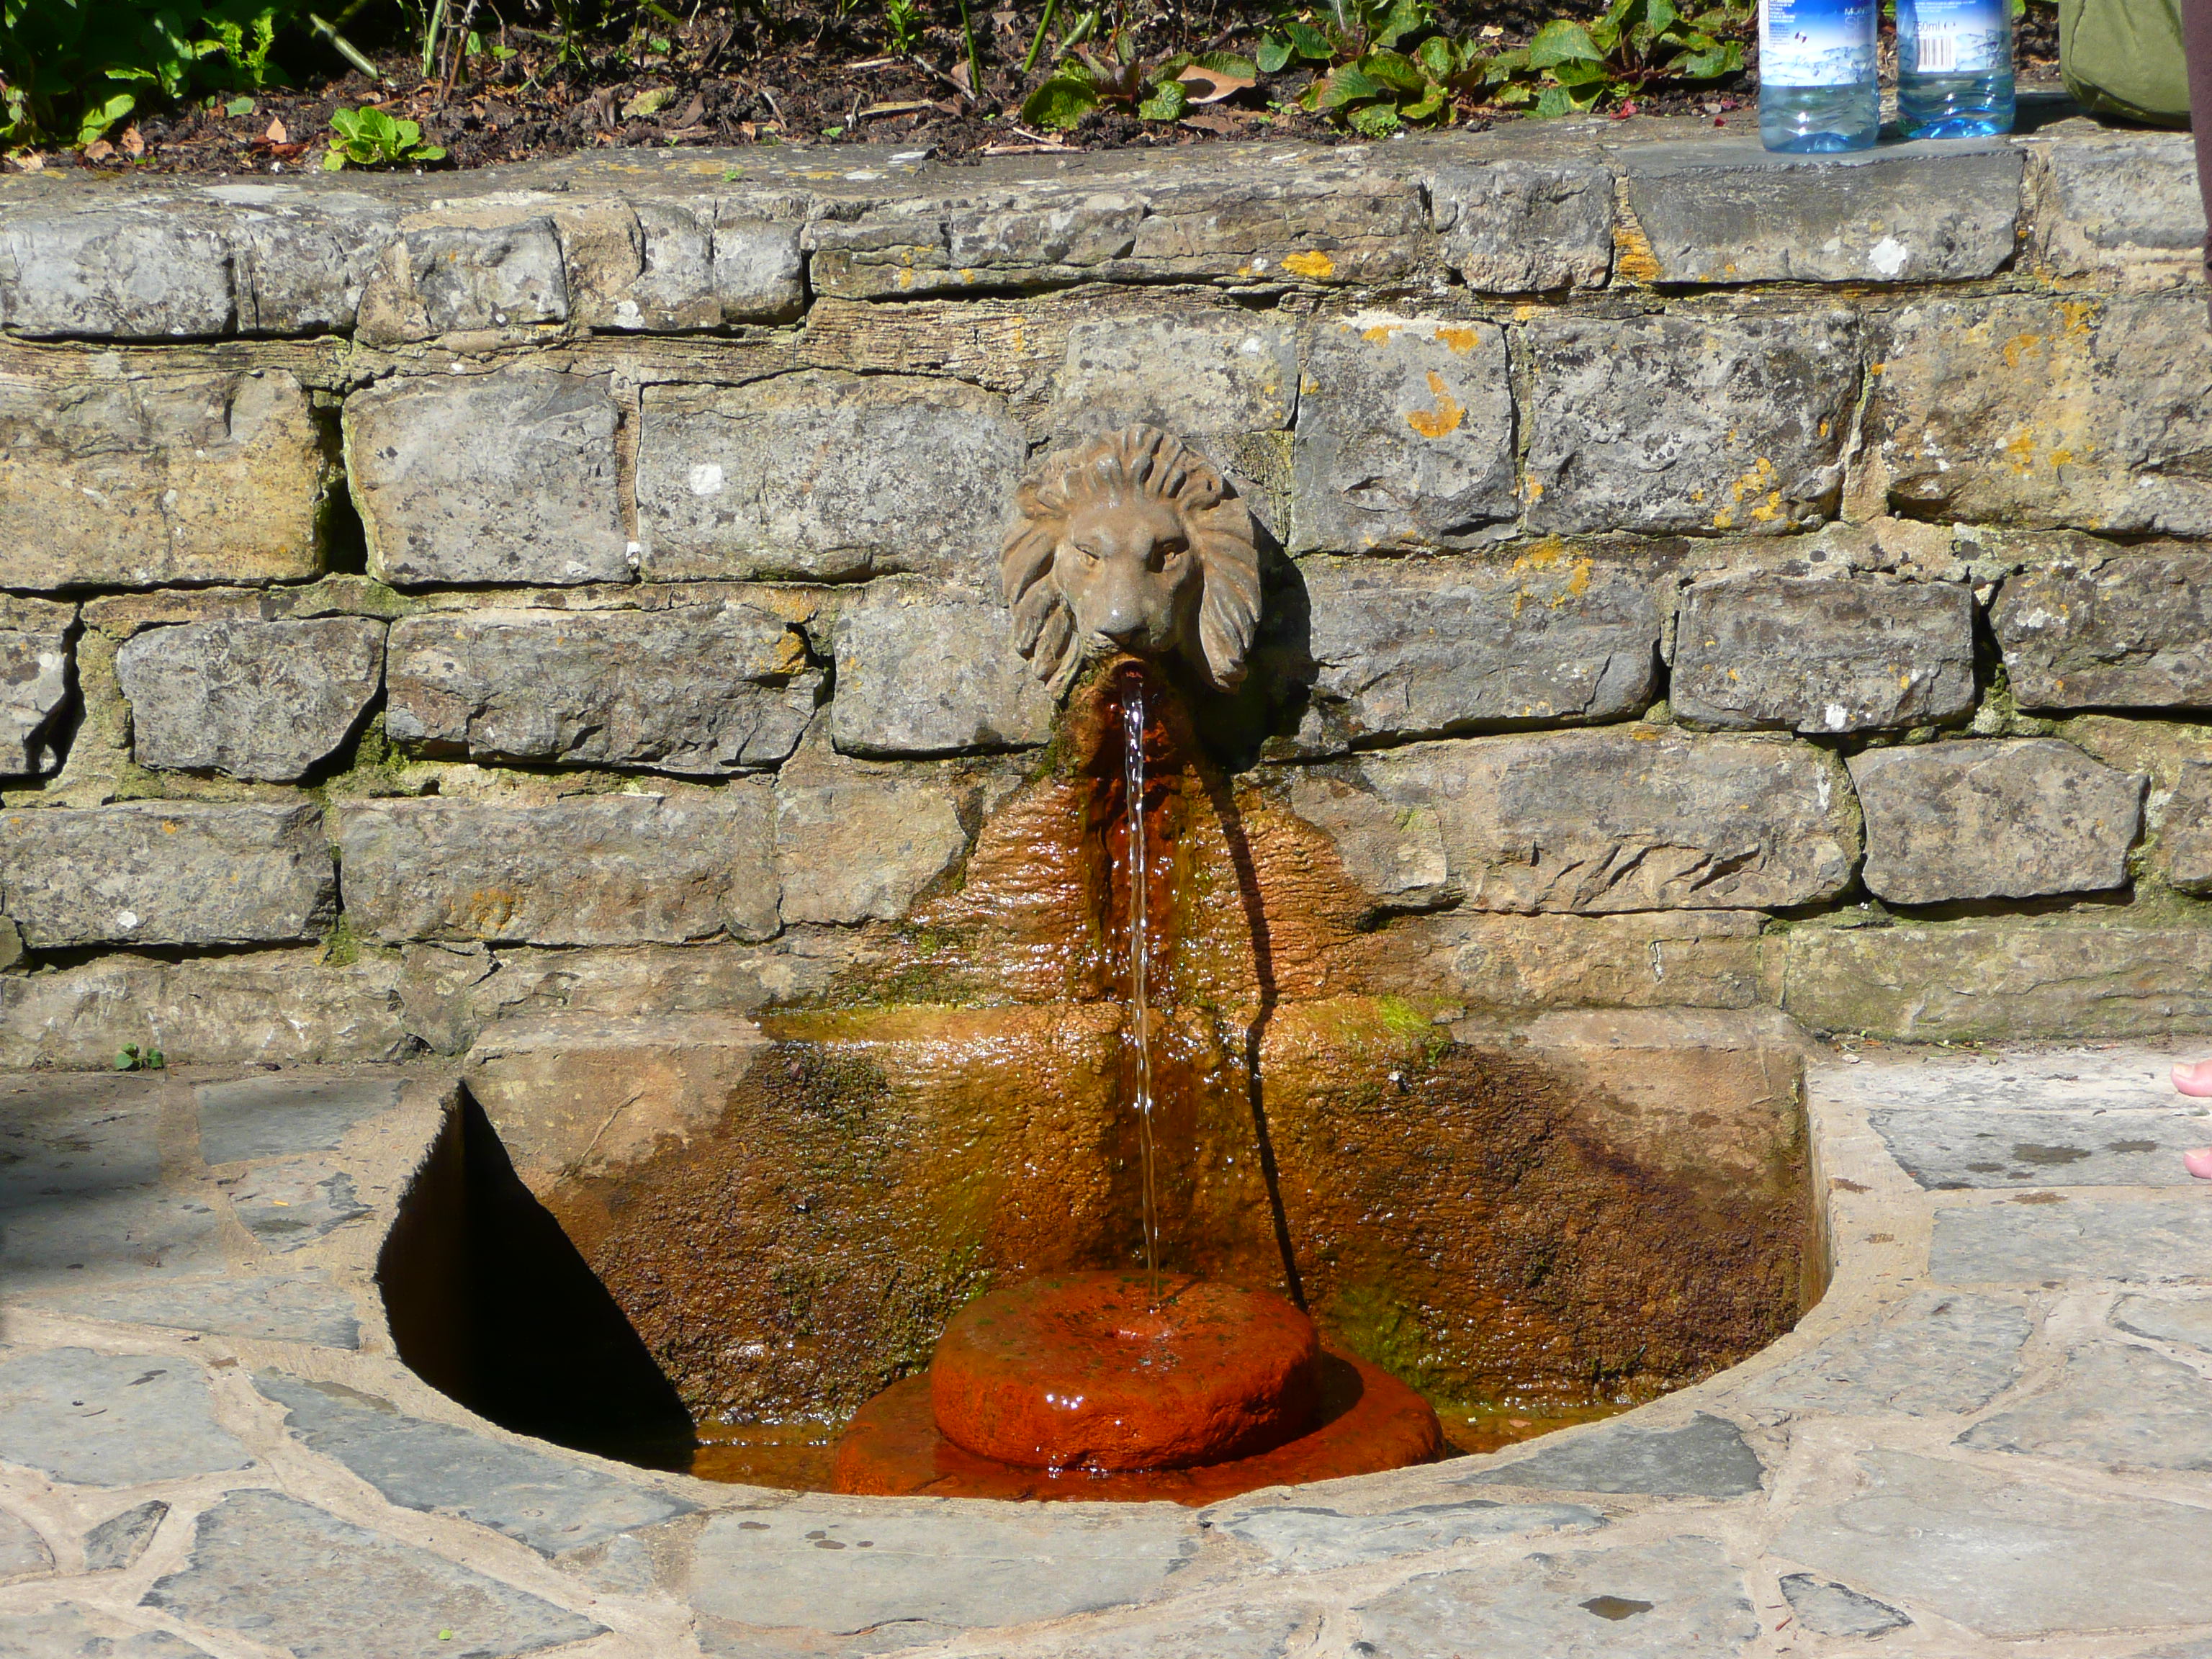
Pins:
<point x="1954" y="68"/>
<point x="1817" y="88"/>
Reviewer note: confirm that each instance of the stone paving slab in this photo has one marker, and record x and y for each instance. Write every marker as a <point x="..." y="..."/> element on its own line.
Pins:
<point x="1992" y="1429"/>
<point x="286" y="1573"/>
<point x="550" y="1503"/>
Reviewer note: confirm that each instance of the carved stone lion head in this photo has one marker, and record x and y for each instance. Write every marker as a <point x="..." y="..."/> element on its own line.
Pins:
<point x="1131" y="541"/>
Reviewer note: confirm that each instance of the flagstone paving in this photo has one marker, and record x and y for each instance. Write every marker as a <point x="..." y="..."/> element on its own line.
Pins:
<point x="1991" y="1436"/>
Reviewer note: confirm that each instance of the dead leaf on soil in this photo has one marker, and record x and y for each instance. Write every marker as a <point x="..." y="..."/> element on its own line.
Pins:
<point x="133" y="145"/>
<point x="1212" y="121"/>
<point x="1211" y="86"/>
<point x="98" y="150"/>
<point x="910" y="106"/>
<point x="275" y="133"/>
<point x="651" y="101"/>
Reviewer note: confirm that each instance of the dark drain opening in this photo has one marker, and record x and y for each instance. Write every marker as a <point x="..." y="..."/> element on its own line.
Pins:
<point x="492" y="1306"/>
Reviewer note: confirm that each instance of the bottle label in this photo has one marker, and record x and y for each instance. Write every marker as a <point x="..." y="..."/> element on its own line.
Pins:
<point x="1953" y="37"/>
<point x="1819" y="42"/>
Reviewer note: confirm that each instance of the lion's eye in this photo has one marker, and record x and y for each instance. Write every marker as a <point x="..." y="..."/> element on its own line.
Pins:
<point x="1165" y="553"/>
<point x="1089" y="553"/>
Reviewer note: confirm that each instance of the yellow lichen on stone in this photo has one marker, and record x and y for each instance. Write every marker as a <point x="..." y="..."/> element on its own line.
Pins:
<point x="1317" y="265"/>
<point x="1632" y="258"/>
<point x="1442" y="421"/>
<point x="1458" y="341"/>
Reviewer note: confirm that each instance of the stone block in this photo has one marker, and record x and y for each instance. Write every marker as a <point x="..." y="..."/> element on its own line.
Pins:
<point x="283" y="1573"/>
<point x="1200" y="375"/>
<point x="2189" y="1323"/>
<point x="138" y="479"/>
<point x="1405" y="435"/>
<point x="165" y="873"/>
<point x="445" y="276"/>
<point x="1689" y="421"/>
<point x="929" y="669"/>
<point x="1692" y="959"/>
<point x="1422" y="647"/>
<point x="544" y="1080"/>
<point x="1906" y="1523"/>
<point x="1638" y="819"/>
<point x="1989" y="981"/>
<point x="1982" y="1145"/>
<point x="297" y="1305"/>
<point x="2187" y="830"/>
<point x="267" y="701"/>
<point x="2103" y="626"/>
<point x="1261" y="214"/>
<point x="70" y="1630"/>
<point x="301" y="254"/>
<point x="2013" y="818"/>
<point x="144" y="272"/>
<point x="98" y="1420"/>
<point x="1819" y="654"/>
<point x="1517" y="226"/>
<point x="825" y="477"/>
<point x="1828" y="1609"/>
<point x="1704" y="1457"/>
<point x="551" y="1502"/>
<point x="2123" y="207"/>
<point x="593" y="870"/>
<point x="705" y="688"/>
<point x="2045" y="412"/>
<point x="289" y="1007"/>
<point x="859" y="843"/>
<point x="503" y="477"/>
<point x="1016" y="1564"/>
<point x="1726" y="211"/>
<point x="1397" y="853"/>
<point x="34" y="683"/>
<point x="640" y="980"/>
<point x="286" y="1205"/>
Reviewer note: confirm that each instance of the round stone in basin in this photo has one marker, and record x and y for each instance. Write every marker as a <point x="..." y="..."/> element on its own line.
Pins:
<point x="1085" y="1370"/>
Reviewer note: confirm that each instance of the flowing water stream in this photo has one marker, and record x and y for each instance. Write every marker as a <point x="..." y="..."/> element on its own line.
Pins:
<point x="1133" y="715"/>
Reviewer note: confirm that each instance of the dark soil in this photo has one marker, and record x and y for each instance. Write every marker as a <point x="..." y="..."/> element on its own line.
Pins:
<point x="815" y="72"/>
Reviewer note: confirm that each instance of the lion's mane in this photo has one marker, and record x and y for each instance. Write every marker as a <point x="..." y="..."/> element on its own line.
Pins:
<point x="1136" y="460"/>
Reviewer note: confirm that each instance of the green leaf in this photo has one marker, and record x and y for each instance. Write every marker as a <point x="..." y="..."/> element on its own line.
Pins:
<point x="1274" y="54"/>
<point x="1393" y="69"/>
<point x="1167" y="103"/>
<point x="1562" y="42"/>
<point x="333" y="159"/>
<point x="98" y="117"/>
<point x="1232" y="63"/>
<point x="1555" y="101"/>
<point x="1346" y="85"/>
<point x="346" y="123"/>
<point x="1060" y="103"/>
<point x="1581" y="75"/>
<point x="1724" y="57"/>
<point x="1514" y="94"/>
<point x="1506" y="64"/>
<point x="1439" y="56"/>
<point x="1405" y="17"/>
<point x="127" y="1059"/>
<point x="406" y="135"/>
<point x="1426" y="108"/>
<point x="427" y="153"/>
<point x="1309" y="41"/>
<point x="1375" y="120"/>
<point x="239" y="106"/>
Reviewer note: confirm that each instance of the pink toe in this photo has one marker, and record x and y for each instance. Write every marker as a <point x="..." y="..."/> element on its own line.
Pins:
<point x="2194" y="1079"/>
<point x="2199" y="1163"/>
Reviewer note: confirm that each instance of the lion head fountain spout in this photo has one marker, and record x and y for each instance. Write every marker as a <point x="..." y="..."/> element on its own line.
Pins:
<point x="1131" y="542"/>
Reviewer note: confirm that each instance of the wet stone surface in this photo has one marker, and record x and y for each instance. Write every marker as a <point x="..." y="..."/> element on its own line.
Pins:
<point x="1990" y="1146"/>
<point x="1829" y="1609"/>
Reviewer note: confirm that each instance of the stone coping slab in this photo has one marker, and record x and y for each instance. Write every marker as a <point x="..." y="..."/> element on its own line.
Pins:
<point x="1992" y="1429"/>
<point x="688" y="240"/>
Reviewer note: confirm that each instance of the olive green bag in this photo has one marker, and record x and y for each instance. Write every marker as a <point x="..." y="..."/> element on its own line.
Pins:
<point x="2124" y="58"/>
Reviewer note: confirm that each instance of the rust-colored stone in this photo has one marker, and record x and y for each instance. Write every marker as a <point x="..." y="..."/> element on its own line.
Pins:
<point x="1085" y="1370"/>
<point x="1368" y="1421"/>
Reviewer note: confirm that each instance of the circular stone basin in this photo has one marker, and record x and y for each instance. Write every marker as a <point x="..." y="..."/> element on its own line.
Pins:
<point x="1085" y="1370"/>
<point x="1367" y="1420"/>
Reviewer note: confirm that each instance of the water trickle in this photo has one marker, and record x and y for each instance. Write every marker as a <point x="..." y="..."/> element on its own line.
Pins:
<point x="1134" y="720"/>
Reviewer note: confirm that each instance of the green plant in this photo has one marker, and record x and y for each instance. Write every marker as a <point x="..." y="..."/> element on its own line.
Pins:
<point x="370" y="139"/>
<point x="1166" y="91"/>
<point x="69" y="70"/>
<point x="1569" y="66"/>
<point x="135" y="1059"/>
<point x="1374" y="79"/>
<point x="902" y="25"/>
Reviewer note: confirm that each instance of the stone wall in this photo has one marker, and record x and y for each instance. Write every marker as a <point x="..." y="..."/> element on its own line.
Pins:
<point x="1698" y="578"/>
